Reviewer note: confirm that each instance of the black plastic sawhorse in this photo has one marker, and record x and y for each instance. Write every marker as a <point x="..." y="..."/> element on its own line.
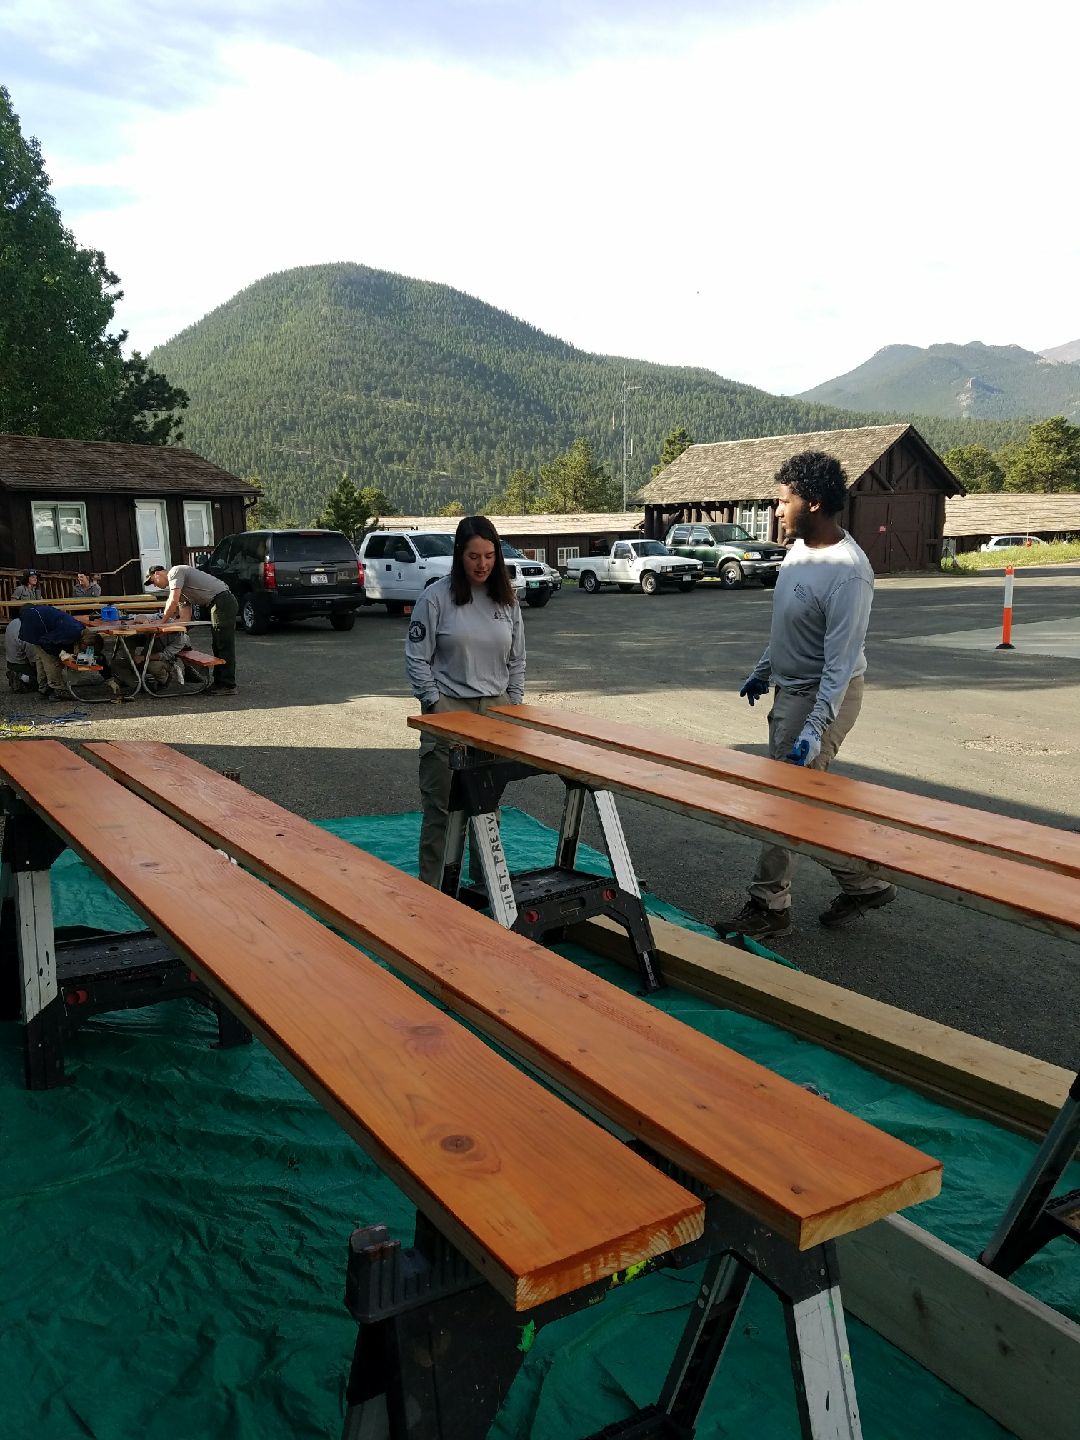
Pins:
<point x="541" y="903"/>
<point x="438" y="1349"/>
<point x="54" y="986"/>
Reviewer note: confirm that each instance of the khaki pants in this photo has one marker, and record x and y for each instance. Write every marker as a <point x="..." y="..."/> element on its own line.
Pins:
<point x="771" y="884"/>
<point x="435" y="779"/>
<point x="50" y="671"/>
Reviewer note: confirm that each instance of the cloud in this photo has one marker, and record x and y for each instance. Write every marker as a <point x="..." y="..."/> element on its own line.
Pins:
<point x="774" y="199"/>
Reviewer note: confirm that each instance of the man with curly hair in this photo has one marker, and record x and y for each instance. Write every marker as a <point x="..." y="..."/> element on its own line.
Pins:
<point x="815" y="663"/>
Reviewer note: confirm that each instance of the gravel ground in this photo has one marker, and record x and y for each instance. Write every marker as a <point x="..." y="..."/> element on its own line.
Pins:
<point x="319" y="725"/>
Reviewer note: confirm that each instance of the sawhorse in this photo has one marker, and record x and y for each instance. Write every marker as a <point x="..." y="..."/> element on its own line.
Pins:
<point x="437" y="1349"/>
<point x="54" y="986"/>
<point x="1034" y="1217"/>
<point x="539" y="903"/>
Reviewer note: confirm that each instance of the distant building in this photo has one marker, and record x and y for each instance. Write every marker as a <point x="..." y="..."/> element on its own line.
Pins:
<point x="71" y="505"/>
<point x="554" y="539"/>
<point x="970" y="521"/>
<point x="897" y="489"/>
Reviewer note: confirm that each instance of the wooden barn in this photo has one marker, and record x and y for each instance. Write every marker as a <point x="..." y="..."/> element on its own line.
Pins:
<point x="71" y="505"/>
<point x="897" y="487"/>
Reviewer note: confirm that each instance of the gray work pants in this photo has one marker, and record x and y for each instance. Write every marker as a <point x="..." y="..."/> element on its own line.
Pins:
<point x="771" y="884"/>
<point x="435" y="778"/>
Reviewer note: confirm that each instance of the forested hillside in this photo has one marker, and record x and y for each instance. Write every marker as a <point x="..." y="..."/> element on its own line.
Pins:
<point x="992" y="382"/>
<point x="434" y="396"/>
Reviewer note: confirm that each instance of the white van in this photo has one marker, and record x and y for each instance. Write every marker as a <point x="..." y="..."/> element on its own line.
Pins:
<point x="399" y="564"/>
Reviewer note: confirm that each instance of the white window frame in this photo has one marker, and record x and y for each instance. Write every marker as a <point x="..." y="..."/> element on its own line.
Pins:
<point x="56" y="506"/>
<point x="567" y="552"/>
<point x="539" y="555"/>
<point x="206" y="510"/>
<point x="755" y="518"/>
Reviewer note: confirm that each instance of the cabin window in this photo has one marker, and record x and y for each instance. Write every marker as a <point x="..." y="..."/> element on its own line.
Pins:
<point x="59" y="526"/>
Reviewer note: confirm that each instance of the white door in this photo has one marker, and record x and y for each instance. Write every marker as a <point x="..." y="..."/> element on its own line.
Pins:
<point x="153" y="530"/>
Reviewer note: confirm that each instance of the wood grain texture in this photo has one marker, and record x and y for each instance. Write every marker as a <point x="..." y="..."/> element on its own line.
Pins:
<point x="1039" y="898"/>
<point x="801" y="1165"/>
<point x="1011" y="1089"/>
<point x="977" y="829"/>
<point x="541" y="1200"/>
<point x="1010" y="1355"/>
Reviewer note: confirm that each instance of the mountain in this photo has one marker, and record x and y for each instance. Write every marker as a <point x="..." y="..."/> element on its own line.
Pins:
<point x="991" y="382"/>
<point x="434" y="396"/>
<point x="1063" y="354"/>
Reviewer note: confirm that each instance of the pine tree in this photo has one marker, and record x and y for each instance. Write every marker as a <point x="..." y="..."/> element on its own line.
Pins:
<point x="975" y="467"/>
<point x="1048" y="462"/>
<point x="675" y="443"/>
<point x="573" y="483"/>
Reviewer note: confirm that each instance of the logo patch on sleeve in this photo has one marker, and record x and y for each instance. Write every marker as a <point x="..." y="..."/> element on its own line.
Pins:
<point x="417" y="631"/>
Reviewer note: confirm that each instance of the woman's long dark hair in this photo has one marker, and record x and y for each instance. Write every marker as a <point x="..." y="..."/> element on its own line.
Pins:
<point x="498" y="584"/>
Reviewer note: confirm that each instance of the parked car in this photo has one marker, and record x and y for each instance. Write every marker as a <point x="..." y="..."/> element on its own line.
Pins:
<point x="290" y="575"/>
<point x="399" y="564"/>
<point x="635" y="565"/>
<point x="530" y="578"/>
<point x="728" y="551"/>
<point x="1009" y="542"/>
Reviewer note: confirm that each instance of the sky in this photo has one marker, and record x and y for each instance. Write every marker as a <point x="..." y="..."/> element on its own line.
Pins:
<point x="772" y="189"/>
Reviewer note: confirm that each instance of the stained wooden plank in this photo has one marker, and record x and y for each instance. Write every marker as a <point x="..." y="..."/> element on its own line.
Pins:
<point x="801" y="1165"/>
<point x="977" y="829"/>
<point x="541" y="1200"/>
<point x="975" y="1075"/>
<point x="1039" y="898"/>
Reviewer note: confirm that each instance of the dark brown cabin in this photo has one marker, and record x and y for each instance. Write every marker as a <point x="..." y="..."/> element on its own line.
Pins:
<point x="897" y="487"/>
<point x="71" y="505"/>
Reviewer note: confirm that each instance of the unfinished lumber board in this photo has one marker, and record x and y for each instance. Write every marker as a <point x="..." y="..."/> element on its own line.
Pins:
<point x="1015" y="1358"/>
<point x="1036" y="897"/>
<point x="799" y="1164"/>
<point x="1016" y="1091"/>
<point x="977" y="829"/>
<point x="537" y="1197"/>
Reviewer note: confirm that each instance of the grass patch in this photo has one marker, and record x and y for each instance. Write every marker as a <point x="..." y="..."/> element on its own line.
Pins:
<point x="1061" y="552"/>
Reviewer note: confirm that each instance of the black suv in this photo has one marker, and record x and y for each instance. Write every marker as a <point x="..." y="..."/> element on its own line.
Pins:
<point x="290" y="575"/>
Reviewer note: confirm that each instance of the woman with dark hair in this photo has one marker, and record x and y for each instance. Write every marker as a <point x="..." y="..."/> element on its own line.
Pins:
<point x="27" y="588"/>
<point x="465" y="651"/>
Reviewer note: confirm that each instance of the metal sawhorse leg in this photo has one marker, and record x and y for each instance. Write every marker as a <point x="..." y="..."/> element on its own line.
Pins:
<point x="541" y="902"/>
<point x="1033" y="1217"/>
<point x="437" y="1349"/>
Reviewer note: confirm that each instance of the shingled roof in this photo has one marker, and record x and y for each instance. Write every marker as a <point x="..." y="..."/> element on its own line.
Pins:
<point x="1012" y="515"/>
<point x="31" y="462"/>
<point x="746" y="469"/>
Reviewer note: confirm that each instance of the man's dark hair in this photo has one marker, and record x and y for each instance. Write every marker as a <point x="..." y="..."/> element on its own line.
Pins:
<point x="498" y="584"/>
<point x="813" y="475"/>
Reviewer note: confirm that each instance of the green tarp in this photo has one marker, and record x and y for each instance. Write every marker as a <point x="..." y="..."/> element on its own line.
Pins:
<point x="176" y="1221"/>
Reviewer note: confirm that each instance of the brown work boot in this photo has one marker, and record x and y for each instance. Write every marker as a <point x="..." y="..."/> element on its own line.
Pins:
<point x="849" y="907"/>
<point x="756" y="921"/>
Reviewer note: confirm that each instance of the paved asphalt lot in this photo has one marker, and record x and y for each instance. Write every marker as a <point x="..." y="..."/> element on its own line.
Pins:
<point x="319" y="725"/>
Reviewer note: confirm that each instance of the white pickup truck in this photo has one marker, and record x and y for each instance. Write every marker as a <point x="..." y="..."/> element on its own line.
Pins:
<point x="635" y="565"/>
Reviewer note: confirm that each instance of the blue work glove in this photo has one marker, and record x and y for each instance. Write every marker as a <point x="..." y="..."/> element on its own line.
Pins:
<point x="754" y="689"/>
<point x="806" y="749"/>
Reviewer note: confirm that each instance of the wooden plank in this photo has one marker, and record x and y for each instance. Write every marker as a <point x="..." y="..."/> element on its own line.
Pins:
<point x="1015" y="1358"/>
<point x="801" y="1165"/>
<point x="979" y="1077"/>
<point x="540" y="1200"/>
<point x="1038" y="898"/>
<point x="978" y="829"/>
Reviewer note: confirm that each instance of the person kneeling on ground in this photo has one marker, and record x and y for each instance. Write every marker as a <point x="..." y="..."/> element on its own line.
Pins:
<point x="465" y="651"/>
<point x="189" y="586"/>
<point x="21" y="670"/>
<point x="49" y="633"/>
<point x="816" y="662"/>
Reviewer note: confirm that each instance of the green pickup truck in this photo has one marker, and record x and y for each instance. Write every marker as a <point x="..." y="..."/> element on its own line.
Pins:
<point x="729" y="552"/>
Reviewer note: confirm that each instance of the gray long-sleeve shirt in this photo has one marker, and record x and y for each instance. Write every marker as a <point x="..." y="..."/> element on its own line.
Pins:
<point x="464" y="651"/>
<point x="821" y="608"/>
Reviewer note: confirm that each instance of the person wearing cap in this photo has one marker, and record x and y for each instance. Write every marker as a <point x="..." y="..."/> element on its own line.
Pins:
<point x="190" y="586"/>
<point x="27" y="588"/>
